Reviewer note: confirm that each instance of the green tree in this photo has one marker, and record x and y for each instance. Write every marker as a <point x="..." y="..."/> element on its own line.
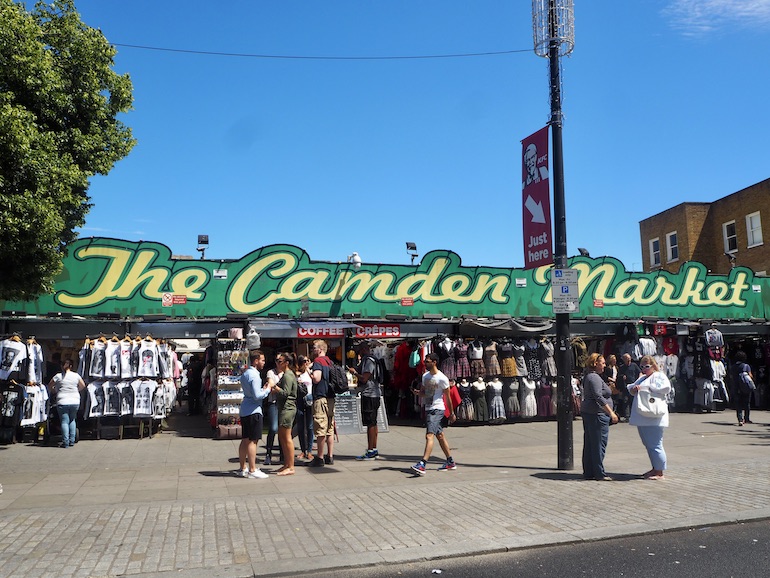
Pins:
<point x="59" y="101"/>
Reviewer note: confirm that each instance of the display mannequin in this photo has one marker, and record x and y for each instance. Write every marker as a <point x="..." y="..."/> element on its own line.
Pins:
<point x="465" y="411"/>
<point x="496" y="405"/>
<point x="479" y="397"/>
<point x="528" y="401"/>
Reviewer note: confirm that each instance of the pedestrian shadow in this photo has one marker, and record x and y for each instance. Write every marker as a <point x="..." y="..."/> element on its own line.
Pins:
<point x="578" y="477"/>
<point x="217" y="474"/>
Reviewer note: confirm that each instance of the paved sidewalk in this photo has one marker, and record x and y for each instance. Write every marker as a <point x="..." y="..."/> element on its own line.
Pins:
<point x="169" y="506"/>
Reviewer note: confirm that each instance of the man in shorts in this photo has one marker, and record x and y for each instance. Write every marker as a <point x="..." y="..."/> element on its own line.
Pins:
<point x="370" y="391"/>
<point x="435" y="391"/>
<point x="323" y="405"/>
<point x="251" y="416"/>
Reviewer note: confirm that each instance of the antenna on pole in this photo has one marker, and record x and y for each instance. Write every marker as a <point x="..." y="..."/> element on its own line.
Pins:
<point x="553" y="32"/>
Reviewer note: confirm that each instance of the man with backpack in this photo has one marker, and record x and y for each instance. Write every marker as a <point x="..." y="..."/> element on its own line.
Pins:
<point x="369" y="387"/>
<point x="323" y="404"/>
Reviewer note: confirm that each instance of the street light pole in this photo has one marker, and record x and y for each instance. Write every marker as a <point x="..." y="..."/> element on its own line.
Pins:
<point x="553" y="24"/>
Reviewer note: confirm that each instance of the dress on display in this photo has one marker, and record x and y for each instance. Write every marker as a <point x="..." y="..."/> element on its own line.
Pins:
<point x="528" y="401"/>
<point x="462" y="367"/>
<point x="518" y="355"/>
<point x="445" y="349"/>
<point x="496" y="405"/>
<point x="544" y="402"/>
<point x="476" y="357"/>
<point x="479" y="397"/>
<point x="532" y="359"/>
<point x="491" y="364"/>
<point x="465" y="411"/>
<point x="547" y="360"/>
<point x="512" y="405"/>
<point x="507" y="362"/>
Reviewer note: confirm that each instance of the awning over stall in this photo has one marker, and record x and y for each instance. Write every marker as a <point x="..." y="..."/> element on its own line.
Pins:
<point x="503" y="328"/>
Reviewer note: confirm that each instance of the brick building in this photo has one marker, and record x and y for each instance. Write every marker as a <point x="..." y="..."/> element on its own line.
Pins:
<point x="719" y="234"/>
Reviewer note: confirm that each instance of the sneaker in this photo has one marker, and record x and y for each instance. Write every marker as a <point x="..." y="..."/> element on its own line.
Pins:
<point x="316" y="462"/>
<point x="419" y="467"/>
<point x="446" y="466"/>
<point x="244" y="473"/>
<point x="329" y="460"/>
<point x="369" y="455"/>
<point x="256" y="474"/>
<point x="268" y="460"/>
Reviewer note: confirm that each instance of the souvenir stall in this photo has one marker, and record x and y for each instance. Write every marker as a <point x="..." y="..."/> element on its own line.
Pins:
<point x="24" y="403"/>
<point x="130" y="383"/>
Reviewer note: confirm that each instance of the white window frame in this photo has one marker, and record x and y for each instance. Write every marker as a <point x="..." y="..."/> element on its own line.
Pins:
<point x="672" y="249"/>
<point x="754" y="235"/>
<point x="726" y="238"/>
<point x="654" y="254"/>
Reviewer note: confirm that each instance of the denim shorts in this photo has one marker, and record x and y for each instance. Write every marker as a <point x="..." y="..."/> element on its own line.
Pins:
<point x="433" y="421"/>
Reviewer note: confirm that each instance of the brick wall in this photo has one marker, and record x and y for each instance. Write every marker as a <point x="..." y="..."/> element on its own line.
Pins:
<point x="699" y="228"/>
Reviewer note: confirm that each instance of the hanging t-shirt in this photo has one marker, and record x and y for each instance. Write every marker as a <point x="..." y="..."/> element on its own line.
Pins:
<point x="11" y="400"/>
<point x="111" y="398"/>
<point x="158" y="403"/>
<point x="30" y="407"/>
<point x="126" y="398"/>
<point x="112" y="370"/>
<point x="164" y="361"/>
<point x="125" y="359"/>
<point x="95" y="398"/>
<point x="36" y="362"/>
<point x="84" y="358"/>
<point x="143" y="390"/>
<point x="148" y="358"/>
<point x="98" y="359"/>
<point x="13" y="355"/>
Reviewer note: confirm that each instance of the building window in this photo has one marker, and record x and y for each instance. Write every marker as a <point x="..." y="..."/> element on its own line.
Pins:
<point x="754" y="229"/>
<point x="672" y="247"/>
<point x="729" y="236"/>
<point x="655" y="253"/>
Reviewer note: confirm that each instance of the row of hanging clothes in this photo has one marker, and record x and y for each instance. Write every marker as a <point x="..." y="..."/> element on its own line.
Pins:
<point x="126" y="358"/>
<point x="499" y="357"/>
<point x="499" y="400"/>
<point x="24" y="399"/>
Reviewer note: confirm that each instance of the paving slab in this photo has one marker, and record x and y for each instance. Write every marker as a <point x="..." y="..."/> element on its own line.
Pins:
<point x="170" y="505"/>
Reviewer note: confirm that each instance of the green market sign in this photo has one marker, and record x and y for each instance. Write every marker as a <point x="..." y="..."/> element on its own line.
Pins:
<point x="133" y="279"/>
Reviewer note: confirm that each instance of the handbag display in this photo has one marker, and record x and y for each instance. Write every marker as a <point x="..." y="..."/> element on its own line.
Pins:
<point x="649" y="405"/>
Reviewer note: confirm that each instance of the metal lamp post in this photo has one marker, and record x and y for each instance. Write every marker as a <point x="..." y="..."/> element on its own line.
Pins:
<point x="554" y="36"/>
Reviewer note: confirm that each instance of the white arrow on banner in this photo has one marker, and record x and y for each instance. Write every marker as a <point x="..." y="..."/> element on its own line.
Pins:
<point x="538" y="216"/>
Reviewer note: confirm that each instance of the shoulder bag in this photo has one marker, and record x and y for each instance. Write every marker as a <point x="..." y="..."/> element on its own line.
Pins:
<point x="649" y="405"/>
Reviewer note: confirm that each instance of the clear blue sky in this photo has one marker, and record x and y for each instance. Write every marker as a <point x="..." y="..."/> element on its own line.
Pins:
<point x="665" y="101"/>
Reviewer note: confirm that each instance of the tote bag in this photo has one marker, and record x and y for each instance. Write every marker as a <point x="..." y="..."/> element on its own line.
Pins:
<point x="649" y="405"/>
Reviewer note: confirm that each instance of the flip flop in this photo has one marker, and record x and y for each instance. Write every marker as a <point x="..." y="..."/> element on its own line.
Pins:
<point x="285" y="473"/>
<point x="656" y="478"/>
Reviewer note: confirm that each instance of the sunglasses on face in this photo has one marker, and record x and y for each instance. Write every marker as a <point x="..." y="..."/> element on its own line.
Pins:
<point x="646" y="367"/>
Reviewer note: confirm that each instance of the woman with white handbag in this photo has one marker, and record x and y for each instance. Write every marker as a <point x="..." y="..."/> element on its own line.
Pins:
<point x="649" y="413"/>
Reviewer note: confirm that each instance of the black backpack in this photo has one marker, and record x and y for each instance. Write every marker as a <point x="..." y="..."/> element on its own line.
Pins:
<point x="337" y="380"/>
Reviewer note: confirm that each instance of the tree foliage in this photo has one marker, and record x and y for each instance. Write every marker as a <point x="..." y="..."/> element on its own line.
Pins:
<point x="59" y="101"/>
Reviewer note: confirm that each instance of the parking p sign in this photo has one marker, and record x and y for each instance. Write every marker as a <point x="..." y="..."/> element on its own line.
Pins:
<point x="565" y="295"/>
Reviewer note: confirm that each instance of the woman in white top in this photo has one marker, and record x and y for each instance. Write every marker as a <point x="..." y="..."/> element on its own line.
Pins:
<point x="67" y="386"/>
<point x="651" y="428"/>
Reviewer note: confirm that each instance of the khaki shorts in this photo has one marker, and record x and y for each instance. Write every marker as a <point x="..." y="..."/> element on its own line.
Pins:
<point x="323" y="417"/>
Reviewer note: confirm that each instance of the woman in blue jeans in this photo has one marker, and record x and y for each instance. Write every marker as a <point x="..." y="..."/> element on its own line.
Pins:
<point x="67" y="386"/>
<point x="597" y="412"/>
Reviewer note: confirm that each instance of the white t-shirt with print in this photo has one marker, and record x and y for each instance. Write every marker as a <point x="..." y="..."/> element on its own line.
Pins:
<point x="433" y="386"/>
